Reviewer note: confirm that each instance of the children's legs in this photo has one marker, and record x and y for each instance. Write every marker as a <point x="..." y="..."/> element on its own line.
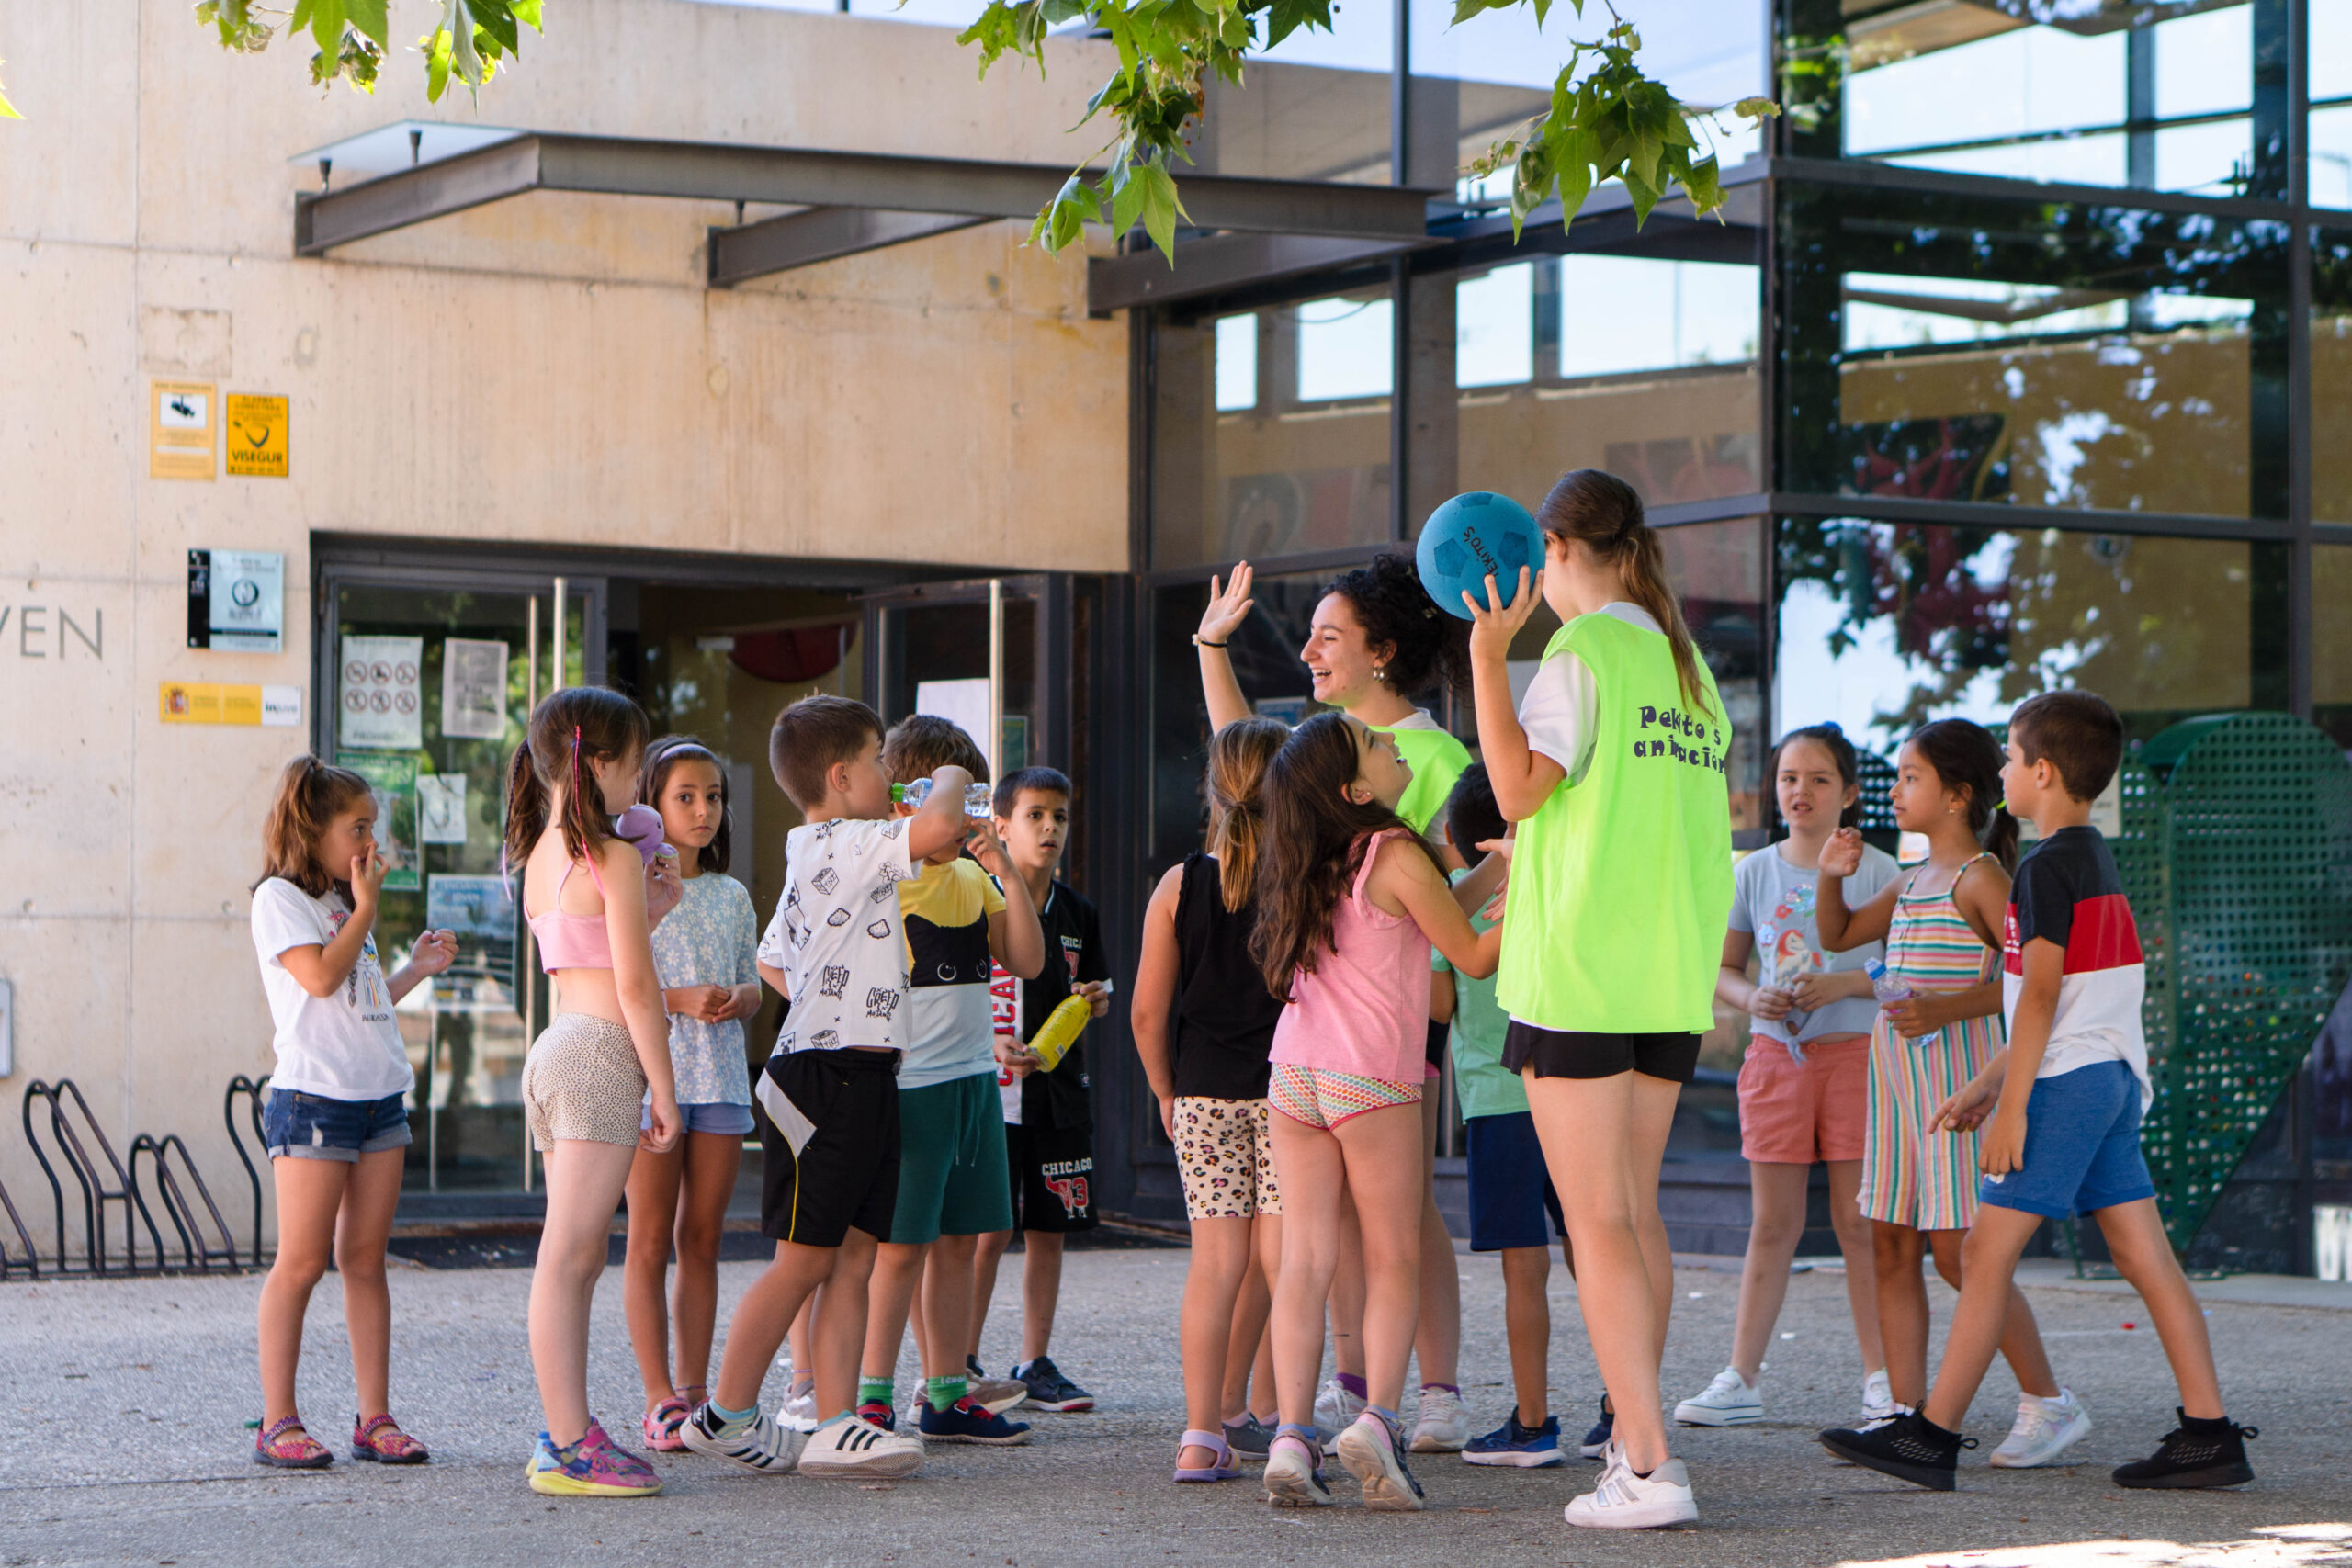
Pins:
<point x="1776" y="1194"/>
<point x="1266" y="1241"/>
<point x="1312" y="1175"/>
<point x="1437" y="1342"/>
<point x="1210" y="1325"/>
<point x="1602" y="1140"/>
<point x="1527" y="1327"/>
<point x="1861" y="1269"/>
<point x="837" y="1328"/>
<point x="1989" y="1253"/>
<point x="712" y="1160"/>
<point x="584" y="1184"/>
<point x="1245" y="1337"/>
<point x="309" y="1193"/>
<point x="1041" y="1289"/>
<point x="769" y="1307"/>
<point x="2021" y="1340"/>
<point x="1347" y="1294"/>
<point x="803" y="1342"/>
<point x="946" y="1306"/>
<point x="653" y="1184"/>
<point x="985" y="1258"/>
<point x="1896" y="1251"/>
<point x="363" y="1226"/>
<point x="2143" y="1255"/>
<point x="1388" y="1176"/>
<point x="898" y="1271"/>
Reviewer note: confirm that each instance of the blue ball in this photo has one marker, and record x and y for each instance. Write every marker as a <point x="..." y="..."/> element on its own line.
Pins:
<point x="1470" y="537"/>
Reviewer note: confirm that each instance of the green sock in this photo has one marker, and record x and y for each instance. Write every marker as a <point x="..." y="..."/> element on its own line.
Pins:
<point x="944" y="1393"/>
<point x="875" y="1390"/>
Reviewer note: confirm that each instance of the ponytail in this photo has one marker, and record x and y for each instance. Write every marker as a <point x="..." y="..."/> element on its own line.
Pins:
<point x="1238" y="757"/>
<point x="569" y="733"/>
<point x="1605" y="513"/>
<point x="310" y="794"/>
<point x="1967" y="760"/>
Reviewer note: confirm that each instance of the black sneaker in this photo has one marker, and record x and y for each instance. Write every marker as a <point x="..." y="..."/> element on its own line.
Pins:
<point x="2193" y="1454"/>
<point x="1602" y="1430"/>
<point x="1248" y="1439"/>
<point x="1048" y="1390"/>
<point x="1909" y="1448"/>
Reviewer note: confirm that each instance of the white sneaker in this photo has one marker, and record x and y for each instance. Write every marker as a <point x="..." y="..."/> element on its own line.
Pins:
<point x="1729" y="1401"/>
<point x="799" y="1412"/>
<point x="1624" y="1501"/>
<point x="1335" y="1409"/>
<point x="848" y="1446"/>
<point x="759" y="1445"/>
<point x="2044" y="1430"/>
<point x="1878" y="1398"/>
<point x="1444" y="1425"/>
<point x="1373" y="1455"/>
<point x="1290" y="1479"/>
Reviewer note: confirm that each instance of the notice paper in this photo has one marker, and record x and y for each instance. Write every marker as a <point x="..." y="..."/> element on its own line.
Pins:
<point x="380" y="709"/>
<point x="473" y="689"/>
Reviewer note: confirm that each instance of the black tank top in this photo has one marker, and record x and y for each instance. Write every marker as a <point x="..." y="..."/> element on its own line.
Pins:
<point x="1224" y="1020"/>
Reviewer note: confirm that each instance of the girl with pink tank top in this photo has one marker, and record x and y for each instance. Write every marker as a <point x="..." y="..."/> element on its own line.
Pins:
<point x="1350" y="902"/>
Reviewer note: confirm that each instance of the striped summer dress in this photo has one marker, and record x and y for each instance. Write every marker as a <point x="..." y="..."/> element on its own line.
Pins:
<point x="1911" y="1176"/>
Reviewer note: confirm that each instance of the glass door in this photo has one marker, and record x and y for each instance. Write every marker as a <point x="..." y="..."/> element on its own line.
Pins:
<point x="971" y="652"/>
<point x="426" y="686"/>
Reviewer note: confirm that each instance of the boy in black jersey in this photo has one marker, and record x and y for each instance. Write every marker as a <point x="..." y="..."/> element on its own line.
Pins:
<point x="1048" y="1116"/>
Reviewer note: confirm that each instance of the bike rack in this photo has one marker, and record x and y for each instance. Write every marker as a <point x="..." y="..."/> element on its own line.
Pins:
<point x="31" y="1258"/>
<point x="251" y="1089"/>
<point x="195" y="1245"/>
<point x="95" y="1196"/>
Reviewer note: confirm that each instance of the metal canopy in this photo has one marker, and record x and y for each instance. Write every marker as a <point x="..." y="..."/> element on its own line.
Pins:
<point x="893" y="192"/>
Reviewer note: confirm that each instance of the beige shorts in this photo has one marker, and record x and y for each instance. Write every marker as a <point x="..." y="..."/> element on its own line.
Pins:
<point x="1226" y="1159"/>
<point x="583" y="1083"/>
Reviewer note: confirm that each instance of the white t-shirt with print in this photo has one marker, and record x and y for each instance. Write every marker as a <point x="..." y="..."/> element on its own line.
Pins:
<point x="835" y="935"/>
<point x="343" y="1046"/>
<point x="1561" y="710"/>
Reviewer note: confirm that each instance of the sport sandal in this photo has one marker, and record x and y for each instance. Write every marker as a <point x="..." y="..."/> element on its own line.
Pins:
<point x="301" y="1451"/>
<point x="380" y="1438"/>
<point x="1220" y="1468"/>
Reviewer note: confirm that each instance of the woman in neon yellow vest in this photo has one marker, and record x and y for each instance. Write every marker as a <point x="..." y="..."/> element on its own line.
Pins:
<point x="1613" y="767"/>
<point x="1375" y="641"/>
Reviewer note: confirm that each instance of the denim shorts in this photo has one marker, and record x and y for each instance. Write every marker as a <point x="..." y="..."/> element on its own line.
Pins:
<point x="2082" y="1147"/>
<point x="311" y="1126"/>
<point x="722" y="1117"/>
<point x="1510" y="1188"/>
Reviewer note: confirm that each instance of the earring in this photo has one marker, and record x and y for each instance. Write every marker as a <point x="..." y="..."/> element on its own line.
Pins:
<point x="1380" y="673"/>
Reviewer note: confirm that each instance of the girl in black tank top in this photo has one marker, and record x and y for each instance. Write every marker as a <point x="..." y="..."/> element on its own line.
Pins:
<point x="1223" y="1022"/>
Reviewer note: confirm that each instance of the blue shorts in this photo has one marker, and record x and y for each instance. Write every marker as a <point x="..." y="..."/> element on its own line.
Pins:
<point x="295" y="1125"/>
<point x="1511" y="1191"/>
<point x="2082" y="1147"/>
<point x="722" y="1117"/>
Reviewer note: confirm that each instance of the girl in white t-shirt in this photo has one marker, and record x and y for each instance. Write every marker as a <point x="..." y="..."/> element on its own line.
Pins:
<point x="336" y="1122"/>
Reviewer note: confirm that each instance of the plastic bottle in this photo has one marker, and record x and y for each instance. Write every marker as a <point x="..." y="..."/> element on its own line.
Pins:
<point x="1888" y="988"/>
<point x="978" y="801"/>
<point x="1060" y="1031"/>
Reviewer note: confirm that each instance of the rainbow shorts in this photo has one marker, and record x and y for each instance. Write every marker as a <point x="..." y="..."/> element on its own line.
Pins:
<point x="1314" y="1096"/>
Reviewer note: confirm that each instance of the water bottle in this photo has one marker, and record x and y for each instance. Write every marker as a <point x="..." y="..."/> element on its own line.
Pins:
<point x="1888" y="988"/>
<point x="1060" y="1031"/>
<point x="978" y="799"/>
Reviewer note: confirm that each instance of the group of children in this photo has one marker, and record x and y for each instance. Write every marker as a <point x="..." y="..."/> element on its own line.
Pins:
<point x="1567" y="930"/>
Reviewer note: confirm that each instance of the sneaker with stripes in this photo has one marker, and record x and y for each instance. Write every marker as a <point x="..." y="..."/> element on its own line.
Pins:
<point x="848" y="1445"/>
<point x="760" y="1444"/>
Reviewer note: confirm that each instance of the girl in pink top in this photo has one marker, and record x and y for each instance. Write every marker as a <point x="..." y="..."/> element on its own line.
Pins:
<point x="1350" y="902"/>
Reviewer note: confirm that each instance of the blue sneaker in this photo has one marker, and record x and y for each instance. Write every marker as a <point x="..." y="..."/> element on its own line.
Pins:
<point x="1521" y="1447"/>
<point x="969" y="1421"/>
<point x="1602" y="1430"/>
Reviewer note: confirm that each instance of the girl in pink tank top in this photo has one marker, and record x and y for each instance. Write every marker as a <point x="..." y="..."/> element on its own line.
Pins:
<point x="1350" y="902"/>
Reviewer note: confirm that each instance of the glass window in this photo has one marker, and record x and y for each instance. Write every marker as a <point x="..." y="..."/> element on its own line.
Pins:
<point x="2332" y="641"/>
<point x="1946" y="348"/>
<point x="2331" y="93"/>
<point x="1621" y="314"/>
<point x="1883" y="626"/>
<point x="1494" y="327"/>
<point x="1315" y="107"/>
<point x="1302" y="462"/>
<point x="2331" y="375"/>
<point x="1718" y="568"/>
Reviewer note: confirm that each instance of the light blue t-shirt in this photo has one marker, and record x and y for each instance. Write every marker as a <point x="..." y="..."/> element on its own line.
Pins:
<point x="1773" y="900"/>
<point x="1484" y="1085"/>
<point x="712" y="938"/>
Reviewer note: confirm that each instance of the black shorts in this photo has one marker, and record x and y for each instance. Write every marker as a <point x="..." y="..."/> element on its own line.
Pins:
<point x="1576" y="1054"/>
<point x="846" y="1174"/>
<point x="1433" y="1048"/>
<point x="1053" y="1177"/>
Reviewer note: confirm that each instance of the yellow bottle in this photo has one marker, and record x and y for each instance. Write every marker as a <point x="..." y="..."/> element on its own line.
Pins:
<point x="1060" y="1031"/>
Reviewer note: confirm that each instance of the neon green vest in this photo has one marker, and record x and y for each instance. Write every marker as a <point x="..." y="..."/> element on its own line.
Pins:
<point x="1437" y="760"/>
<point x="1620" y="884"/>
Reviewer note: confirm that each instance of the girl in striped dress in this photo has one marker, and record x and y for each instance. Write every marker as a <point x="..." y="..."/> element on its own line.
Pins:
<point x="1941" y="924"/>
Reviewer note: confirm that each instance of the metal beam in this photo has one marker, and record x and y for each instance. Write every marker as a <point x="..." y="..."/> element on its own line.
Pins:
<point x="747" y="251"/>
<point x="1221" y="262"/>
<point x="790" y="176"/>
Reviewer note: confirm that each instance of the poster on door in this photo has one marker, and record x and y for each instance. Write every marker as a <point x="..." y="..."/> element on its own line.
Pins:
<point x="382" y="708"/>
<point x="473" y="689"/>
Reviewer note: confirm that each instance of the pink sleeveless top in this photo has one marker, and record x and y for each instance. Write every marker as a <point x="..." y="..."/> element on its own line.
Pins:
<point x="1366" y="1007"/>
<point x="580" y="942"/>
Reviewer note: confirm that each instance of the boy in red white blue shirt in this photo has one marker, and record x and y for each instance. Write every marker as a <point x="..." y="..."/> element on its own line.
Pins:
<point x="2065" y="1100"/>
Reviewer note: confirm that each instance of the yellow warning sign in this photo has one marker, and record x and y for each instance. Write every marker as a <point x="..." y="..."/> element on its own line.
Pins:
<point x="182" y="417"/>
<point x="256" y="437"/>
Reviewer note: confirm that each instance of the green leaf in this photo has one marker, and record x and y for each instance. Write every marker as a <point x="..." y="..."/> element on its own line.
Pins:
<point x="527" y="13"/>
<point x="492" y="17"/>
<point x="1704" y="183"/>
<point x="1645" y="195"/>
<point x="1577" y="156"/>
<point x="372" y="18"/>
<point x="1755" y="108"/>
<point x="436" y="64"/>
<point x="326" y="24"/>
<point x="465" y="61"/>
<point x="1160" y="208"/>
<point x="7" y="110"/>
<point x="1286" y="17"/>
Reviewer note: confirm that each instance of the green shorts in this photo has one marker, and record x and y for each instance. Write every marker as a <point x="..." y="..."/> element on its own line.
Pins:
<point x="952" y="1172"/>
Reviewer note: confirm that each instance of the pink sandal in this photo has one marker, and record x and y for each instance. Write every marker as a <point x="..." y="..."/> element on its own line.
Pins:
<point x="664" y="1423"/>
<point x="380" y="1438"/>
<point x="1221" y="1469"/>
<point x="275" y="1448"/>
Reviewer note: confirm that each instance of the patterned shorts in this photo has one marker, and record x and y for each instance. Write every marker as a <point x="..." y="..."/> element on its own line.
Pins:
<point x="1316" y="1097"/>
<point x="1226" y="1160"/>
<point x="582" y="1083"/>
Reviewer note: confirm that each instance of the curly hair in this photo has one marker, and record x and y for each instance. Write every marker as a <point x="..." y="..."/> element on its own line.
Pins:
<point x="1428" y="647"/>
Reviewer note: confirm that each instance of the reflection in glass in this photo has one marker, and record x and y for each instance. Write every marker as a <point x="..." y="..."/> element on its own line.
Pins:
<point x="1883" y="626"/>
<point x="1300" y="462"/>
<point x="2331" y="345"/>
<point x="1315" y="107"/>
<point x="1629" y="313"/>
<point x="1718" y="568"/>
<point x="1494" y="327"/>
<point x="2332" y="642"/>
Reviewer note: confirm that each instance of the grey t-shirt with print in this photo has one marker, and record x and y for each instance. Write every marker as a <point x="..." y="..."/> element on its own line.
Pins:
<point x="1773" y="900"/>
